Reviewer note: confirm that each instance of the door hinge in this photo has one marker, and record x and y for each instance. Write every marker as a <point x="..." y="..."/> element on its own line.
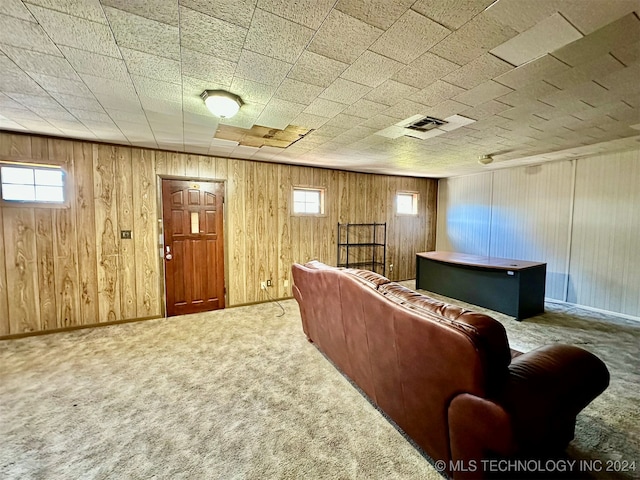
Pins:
<point x="225" y="291"/>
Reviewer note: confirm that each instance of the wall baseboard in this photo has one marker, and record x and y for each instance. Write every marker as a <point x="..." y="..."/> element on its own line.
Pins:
<point x="594" y="309"/>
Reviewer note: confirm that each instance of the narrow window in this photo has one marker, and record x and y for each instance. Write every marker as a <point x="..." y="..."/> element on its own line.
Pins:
<point x="23" y="183"/>
<point x="407" y="203"/>
<point x="308" y="201"/>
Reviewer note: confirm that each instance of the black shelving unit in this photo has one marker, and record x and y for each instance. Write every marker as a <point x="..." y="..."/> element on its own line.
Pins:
<point x="363" y="245"/>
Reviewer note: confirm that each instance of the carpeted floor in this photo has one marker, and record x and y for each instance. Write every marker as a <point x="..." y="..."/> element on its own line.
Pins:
<point x="241" y="394"/>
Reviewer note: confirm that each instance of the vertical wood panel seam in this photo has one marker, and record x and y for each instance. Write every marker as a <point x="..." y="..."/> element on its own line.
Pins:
<point x="572" y="199"/>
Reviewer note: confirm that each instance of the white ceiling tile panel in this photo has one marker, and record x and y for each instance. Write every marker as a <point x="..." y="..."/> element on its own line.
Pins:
<point x="451" y="13"/>
<point x="446" y="109"/>
<point x="600" y="42"/>
<point x="155" y="105"/>
<point x="8" y="102"/>
<point x="538" y="69"/>
<point x="90" y="116"/>
<point x="390" y="92"/>
<point x="344" y="91"/>
<point x="628" y="54"/>
<point x="25" y="34"/>
<point x="594" y="70"/>
<point x="18" y="82"/>
<point x="158" y="10"/>
<point x="15" y="8"/>
<point x="127" y="116"/>
<point x="253" y="92"/>
<point x="482" y="93"/>
<point x="94" y="64"/>
<point x="550" y="34"/>
<point x="437" y="92"/>
<point x="238" y="12"/>
<point x="260" y="68"/>
<point x="343" y="38"/>
<point x="379" y="121"/>
<point x="140" y="33"/>
<point x="485" y="110"/>
<point x="246" y="118"/>
<point x="106" y="86"/>
<point x="405" y="109"/>
<point x="411" y="36"/>
<point x="344" y="121"/>
<point x="57" y="114"/>
<point x="277" y="37"/>
<point x="17" y="115"/>
<point x="7" y="124"/>
<point x="210" y="35"/>
<point x="477" y="71"/>
<point x="528" y="94"/>
<point x="152" y="66"/>
<point x="76" y="32"/>
<point x="425" y="70"/>
<point x="34" y="101"/>
<point x="316" y="69"/>
<point x="371" y="69"/>
<point x="596" y="14"/>
<point x="295" y="91"/>
<point x="86" y="9"/>
<point x="62" y="85"/>
<point x="152" y="88"/>
<point x="204" y="121"/>
<point x="193" y="87"/>
<point x="473" y="39"/>
<point x="307" y="120"/>
<point x="118" y="102"/>
<point x="324" y="108"/>
<point x="365" y="108"/>
<point x="279" y="113"/>
<point x="309" y="13"/>
<point x="206" y="67"/>
<point x="379" y="13"/>
<point x="37" y="62"/>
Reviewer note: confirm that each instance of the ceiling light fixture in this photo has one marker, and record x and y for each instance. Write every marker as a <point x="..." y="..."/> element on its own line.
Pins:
<point x="485" y="159"/>
<point x="221" y="103"/>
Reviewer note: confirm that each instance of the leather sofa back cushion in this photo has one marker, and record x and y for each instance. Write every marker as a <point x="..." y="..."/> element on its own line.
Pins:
<point x="488" y="334"/>
<point x="371" y="279"/>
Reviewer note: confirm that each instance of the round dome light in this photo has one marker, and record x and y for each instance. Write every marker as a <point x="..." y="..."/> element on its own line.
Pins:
<point x="221" y="103"/>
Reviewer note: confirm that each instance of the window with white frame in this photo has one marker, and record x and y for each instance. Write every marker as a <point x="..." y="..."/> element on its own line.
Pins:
<point x="308" y="201"/>
<point x="32" y="184"/>
<point x="407" y="203"/>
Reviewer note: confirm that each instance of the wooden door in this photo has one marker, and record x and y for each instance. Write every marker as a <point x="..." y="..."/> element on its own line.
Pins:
<point x="193" y="245"/>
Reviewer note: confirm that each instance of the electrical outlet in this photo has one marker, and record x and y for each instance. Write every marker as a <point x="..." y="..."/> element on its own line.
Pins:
<point x="286" y="283"/>
<point x="390" y="267"/>
<point x="263" y="285"/>
<point x="269" y="283"/>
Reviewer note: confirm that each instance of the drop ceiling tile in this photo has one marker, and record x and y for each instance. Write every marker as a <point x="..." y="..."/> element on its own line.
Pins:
<point x="365" y="108"/>
<point x="25" y="34"/>
<point x="152" y="66"/>
<point x="55" y="115"/>
<point x="437" y="92"/>
<point x="276" y="37"/>
<point x="19" y="82"/>
<point x="127" y="102"/>
<point x="307" y="120"/>
<point x="316" y="69"/>
<point x="328" y="131"/>
<point x="623" y="81"/>
<point x="158" y="10"/>
<point x="628" y="54"/>
<point x="76" y="32"/>
<point x="538" y="69"/>
<point x="260" y="68"/>
<point x="446" y="109"/>
<point x="411" y="36"/>
<point x="390" y="92"/>
<point x="94" y="64"/>
<point x="477" y="71"/>
<point x="598" y="14"/>
<point x="20" y="114"/>
<point x="482" y="93"/>
<point x="344" y="91"/>
<point x="473" y="39"/>
<point x="152" y="88"/>
<point x="112" y="88"/>
<point x="309" y="13"/>
<point x="206" y="67"/>
<point x="379" y="13"/>
<point x="343" y="38"/>
<point x="279" y="113"/>
<point x="602" y="41"/>
<point x="34" y="101"/>
<point x="595" y="70"/>
<point x="88" y="9"/>
<point x="451" y="13"/>
<point x="485" y="110"/>
<point x="8" y="102"/>
<point x="425" y="70"/>
<point x="379" y="122"/>
<point x="550" y="34"/>
<point x="246" y="117"/>
<point x="345" y="121"/>
<point x="140" y="33"/>
<point x="62" y="85"/>
<point x="371" y="69"/>
<point x="528" y="94"/>
<point x="90" y="116"/>
<point x="405" y="109"/>
<point x="157" y="105"/>
<point x="36" y="62"/>
<point x="127" y="116"/>
<point x="211" y="36"/>
<point x="238" y="12"/>
<point x="252" y="92"/>
<point x="6" y="124"/>
<point x="194" y="105"/>
<point x="325" y="108"/>
<point x="193" y="87"/>
<point x="295" y="91"/>
<point x="16" y="9"/>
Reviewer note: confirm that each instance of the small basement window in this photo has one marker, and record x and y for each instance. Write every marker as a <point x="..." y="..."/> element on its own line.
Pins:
<point x="308" y="201"/>
<point x="407" y="203"/>
<point x="32" y="184"/>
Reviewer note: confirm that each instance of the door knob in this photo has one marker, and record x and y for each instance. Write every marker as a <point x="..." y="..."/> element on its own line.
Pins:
<point x="167" y="254"/>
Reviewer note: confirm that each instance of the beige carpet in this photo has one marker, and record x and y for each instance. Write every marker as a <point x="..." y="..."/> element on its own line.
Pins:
<point x="241" y="394"/>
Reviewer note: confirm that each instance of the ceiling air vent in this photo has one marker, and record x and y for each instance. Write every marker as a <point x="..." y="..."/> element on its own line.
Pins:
<point x="425" y="124"/>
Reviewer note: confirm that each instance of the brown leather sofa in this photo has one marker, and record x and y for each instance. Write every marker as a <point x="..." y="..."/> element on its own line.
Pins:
<point x="445" y="375"/>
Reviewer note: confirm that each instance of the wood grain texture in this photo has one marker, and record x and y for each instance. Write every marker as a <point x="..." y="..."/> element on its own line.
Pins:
<point x="22" y="270"/>
<point x="4" y="306"/>
<point x="145" y="236"/>
<point x="235" y="231"/>
<point x="46" y="272"/>
<point x="106" y="212"/>
<point x="127" y="264"/>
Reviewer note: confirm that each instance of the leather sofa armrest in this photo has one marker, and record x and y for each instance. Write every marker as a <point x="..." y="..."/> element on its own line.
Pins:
<point x="544" y="391"/>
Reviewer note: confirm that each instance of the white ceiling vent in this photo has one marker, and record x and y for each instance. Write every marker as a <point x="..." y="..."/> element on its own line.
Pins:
<point x="419" y="126"/>
<point x="425" y="124"/>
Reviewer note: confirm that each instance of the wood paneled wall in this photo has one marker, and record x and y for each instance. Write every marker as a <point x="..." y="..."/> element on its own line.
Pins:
<point x="69" y="267"/>
<point x="579" y="216"/>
